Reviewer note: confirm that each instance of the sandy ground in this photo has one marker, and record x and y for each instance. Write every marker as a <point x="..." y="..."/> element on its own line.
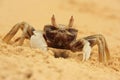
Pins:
<point x="91" y="17"/>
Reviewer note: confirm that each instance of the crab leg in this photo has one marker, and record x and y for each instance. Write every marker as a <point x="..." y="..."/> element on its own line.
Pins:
<point x="102" y="46"/>
<point x="22" y="38"/>
<point x="87" y="43"/>
<point x="11" y="33"/>
<point x="27" y="32"/>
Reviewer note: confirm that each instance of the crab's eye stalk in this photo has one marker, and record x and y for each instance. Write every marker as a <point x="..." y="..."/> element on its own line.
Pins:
<point x="71" y="22"/>
<point x="53" y="21"/>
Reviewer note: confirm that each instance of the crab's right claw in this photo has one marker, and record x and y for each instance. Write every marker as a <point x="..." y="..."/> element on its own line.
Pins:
<point x="86" y="51"/>
<point x="37" y="41"/>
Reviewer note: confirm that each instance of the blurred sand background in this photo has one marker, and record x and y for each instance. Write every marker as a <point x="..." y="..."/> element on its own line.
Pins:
<point x="91" y="17"/>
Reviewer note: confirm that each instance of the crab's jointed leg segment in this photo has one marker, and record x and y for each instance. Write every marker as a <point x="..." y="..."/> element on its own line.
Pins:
<point x="102" y="46"/>
<point x="22" y="38"/>
<point x="11" y="33"/>
<point x="87" y="43"/>
<point x="27" y="32"/>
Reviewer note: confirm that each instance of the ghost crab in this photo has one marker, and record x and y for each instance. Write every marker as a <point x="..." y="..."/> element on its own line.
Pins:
<point x="63" y="37"/>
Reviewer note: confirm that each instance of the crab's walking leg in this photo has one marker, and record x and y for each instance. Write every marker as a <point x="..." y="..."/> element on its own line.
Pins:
<point x="102" y="46"/>
<point x="23" y="36"/>
<point x="11" y="33"/>
<point x="87" y="43"/>
<point x="27" y="32"/>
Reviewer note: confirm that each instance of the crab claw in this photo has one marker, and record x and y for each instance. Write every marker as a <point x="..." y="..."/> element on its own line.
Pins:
<point x="37" y="41"/>
<point x="86" y="51"/>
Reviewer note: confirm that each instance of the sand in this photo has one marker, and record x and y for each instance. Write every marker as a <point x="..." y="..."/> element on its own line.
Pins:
<point x="91" y="17"/>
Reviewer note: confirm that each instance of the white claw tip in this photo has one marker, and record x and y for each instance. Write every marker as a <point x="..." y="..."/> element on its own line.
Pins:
<point x="37" y="41"/>
<point x="86" y="51"/>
